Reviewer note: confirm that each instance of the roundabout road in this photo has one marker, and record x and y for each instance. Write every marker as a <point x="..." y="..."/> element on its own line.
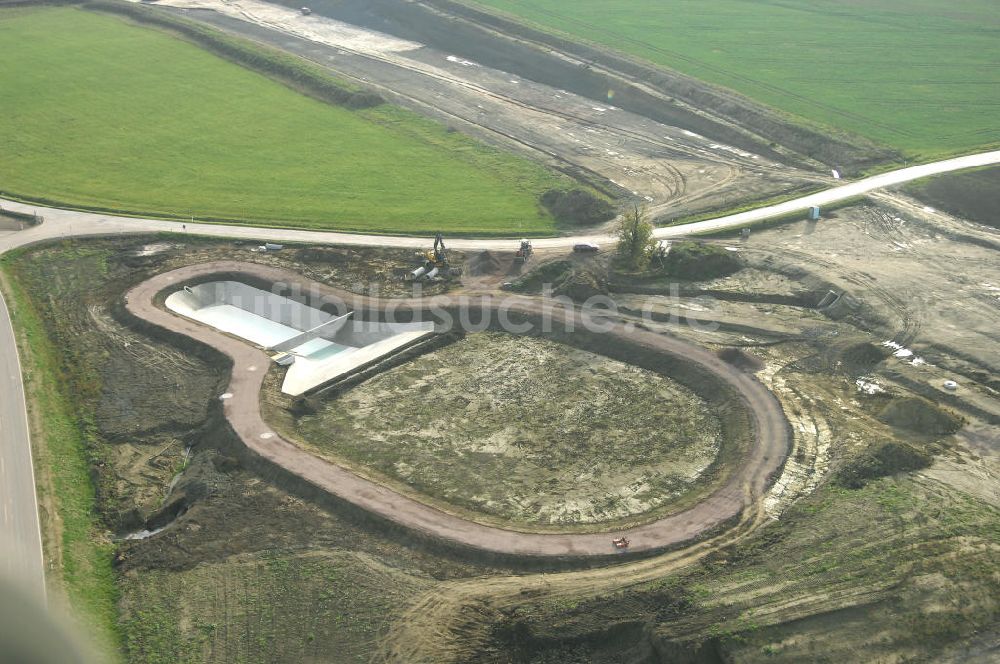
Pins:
<point x="746" y="484"/>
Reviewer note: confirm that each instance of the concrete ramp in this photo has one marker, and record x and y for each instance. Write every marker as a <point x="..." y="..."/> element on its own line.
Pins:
<point x="323" y="330"/>
<point x="307" y="374"/>
<point x="325" y="347"/>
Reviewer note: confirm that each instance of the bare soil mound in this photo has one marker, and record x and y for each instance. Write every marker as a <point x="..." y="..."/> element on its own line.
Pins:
<point x="861" y="358"/>
<point x="546" y="273"/>
<point x="920" y="416"/>
<point x="577" y="207"/>
<point x="888" y="459"/>
<point x="483" y="263"/>
<point x="846" y="357"/>
<point x="579" y="285"/>
<point x="695" y="261"/>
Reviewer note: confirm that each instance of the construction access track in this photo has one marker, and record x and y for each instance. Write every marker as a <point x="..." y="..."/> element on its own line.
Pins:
<point x="745" y="486"/>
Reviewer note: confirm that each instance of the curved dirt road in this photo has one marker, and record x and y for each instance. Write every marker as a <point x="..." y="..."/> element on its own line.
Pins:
<point x="746" y="484"/>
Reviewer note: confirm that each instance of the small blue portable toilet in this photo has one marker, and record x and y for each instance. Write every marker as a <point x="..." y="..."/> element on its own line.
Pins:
<point x="814" y="213"/>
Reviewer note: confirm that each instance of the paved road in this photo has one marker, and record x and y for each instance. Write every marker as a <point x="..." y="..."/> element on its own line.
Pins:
<point x="14" y="446"/>
<point x="20" y="537"/>
<point x="746" y="484"/>
<point x="63" y="223"/>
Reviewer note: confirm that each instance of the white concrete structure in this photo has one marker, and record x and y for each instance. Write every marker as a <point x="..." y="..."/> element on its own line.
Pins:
<point x="331" y="346"/>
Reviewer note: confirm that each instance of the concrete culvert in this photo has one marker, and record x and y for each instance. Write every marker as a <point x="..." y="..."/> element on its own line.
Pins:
<point x="828" y="300"/>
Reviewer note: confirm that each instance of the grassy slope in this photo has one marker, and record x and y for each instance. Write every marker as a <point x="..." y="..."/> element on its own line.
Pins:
<point x="121" y="117"/>
<point x="917" y="75"/>
<point x="74" y="536"/>
<point x="267" y="607"/>
<point x="892" y="572"/>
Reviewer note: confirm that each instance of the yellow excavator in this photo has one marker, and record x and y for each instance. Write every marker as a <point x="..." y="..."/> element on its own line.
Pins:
<point x="435" y="264"/>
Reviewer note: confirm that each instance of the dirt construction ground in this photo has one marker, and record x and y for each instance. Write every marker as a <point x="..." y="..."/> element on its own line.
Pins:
<point x="876" y="540"/>
<point x="755" y="421"/>
<point x="525" y="429"/>
<point x="672" y="169"/>
<point x="845" y="575"/>
<point x="814" y="567"/>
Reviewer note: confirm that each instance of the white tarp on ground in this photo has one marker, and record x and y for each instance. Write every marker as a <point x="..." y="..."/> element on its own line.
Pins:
<point x="266" y="319"/>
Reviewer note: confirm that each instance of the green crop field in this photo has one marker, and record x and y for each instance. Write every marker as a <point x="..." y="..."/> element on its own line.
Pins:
<point x="101" y="113"/>
<point x="921" y="76"/>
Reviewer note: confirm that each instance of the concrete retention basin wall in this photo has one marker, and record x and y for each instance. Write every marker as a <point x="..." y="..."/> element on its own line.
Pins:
<point x="330" y="346"/>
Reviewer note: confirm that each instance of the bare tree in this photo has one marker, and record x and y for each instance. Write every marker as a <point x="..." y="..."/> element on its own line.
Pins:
<point x="635" y="238"/>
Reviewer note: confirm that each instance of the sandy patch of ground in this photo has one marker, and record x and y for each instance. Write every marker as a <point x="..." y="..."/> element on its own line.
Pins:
<point x="663" y="166"/>
<point x="315" y="28"/>
<point x="525" y="429"/>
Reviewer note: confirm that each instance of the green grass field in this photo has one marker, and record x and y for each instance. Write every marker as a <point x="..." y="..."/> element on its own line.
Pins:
<point x="100" y="113"/>
<point x="921" y="76"/>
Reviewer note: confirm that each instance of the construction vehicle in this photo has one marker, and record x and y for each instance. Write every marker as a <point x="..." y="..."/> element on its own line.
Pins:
<point x="523" y="253"/>
<point x="435" y="264"/>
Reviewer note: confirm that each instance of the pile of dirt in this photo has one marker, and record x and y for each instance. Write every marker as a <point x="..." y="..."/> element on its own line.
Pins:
<point x="695" y="261"/>
<point x="847" y="357"/>
<point x="741" y="360"/>
<point x="989" y="380"/>
<point x="546" y="273"/>
<point x="577" y="207"/>
<point x="888" y="459"/>
<point x="861" y="358"/>
<point x="483" y="263"/>
<point x="920" y="416"/>
<point x="579" y="285"/>
<point x="14" y="221"/>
